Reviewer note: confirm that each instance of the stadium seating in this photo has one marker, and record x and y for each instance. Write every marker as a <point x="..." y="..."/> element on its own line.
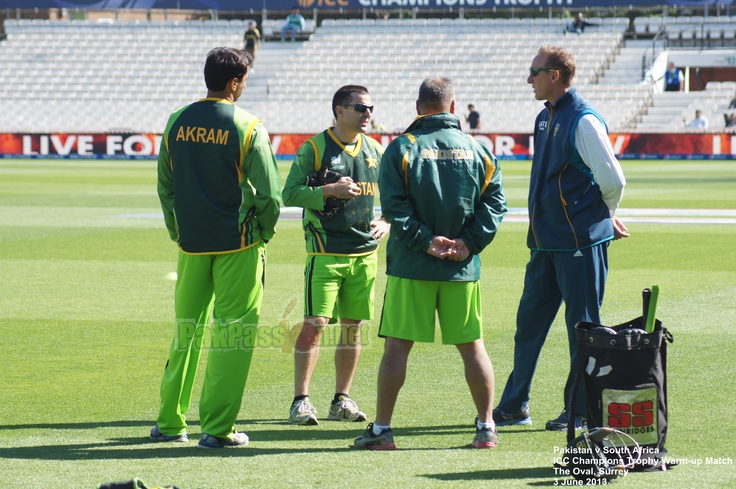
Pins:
<point x="694" y="31"/>
<point x="488" y="60"/>
<point x="119" y="76"/>
<point x="670" y="110"/>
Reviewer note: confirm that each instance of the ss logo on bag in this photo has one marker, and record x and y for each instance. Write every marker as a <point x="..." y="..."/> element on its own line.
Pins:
<point x="623" y="415"/>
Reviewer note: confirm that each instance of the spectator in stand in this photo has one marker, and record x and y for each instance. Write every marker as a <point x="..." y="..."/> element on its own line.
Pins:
<point x="732" y="105"/>
<point x="252" y="41"/>
<point x="294" y="23"/>
<point x="473" y="118"/>
<point x="378" y="127"/>
<point x="674" y="80"/>
<point x="699" y="122"/>
<point x="730" y="119"/>
<point x="382" y="14"/>
<point x="578" y="25"/>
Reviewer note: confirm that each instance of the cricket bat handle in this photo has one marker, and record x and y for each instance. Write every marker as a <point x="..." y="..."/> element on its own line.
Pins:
<point x="652" y="313"/>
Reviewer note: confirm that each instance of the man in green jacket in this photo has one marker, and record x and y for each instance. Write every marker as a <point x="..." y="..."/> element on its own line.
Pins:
<point x="220" y="191"/>
<point x="442" y="193"/>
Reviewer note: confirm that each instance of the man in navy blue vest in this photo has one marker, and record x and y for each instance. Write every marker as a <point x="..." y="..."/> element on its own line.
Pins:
<point x="575" y="188"/>
<point x="674" y="80"/>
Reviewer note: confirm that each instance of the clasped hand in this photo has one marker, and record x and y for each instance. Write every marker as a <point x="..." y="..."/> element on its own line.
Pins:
<point x="452" y="249"/>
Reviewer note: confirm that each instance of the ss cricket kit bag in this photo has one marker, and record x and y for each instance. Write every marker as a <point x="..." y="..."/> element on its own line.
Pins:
<point x="623" y="371"/>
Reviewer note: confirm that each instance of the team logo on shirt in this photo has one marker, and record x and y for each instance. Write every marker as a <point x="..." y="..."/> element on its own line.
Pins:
<point x="557" y="128"/>
<point x="542" y="125"/>
<point x="336" y="164"/>
<point x="372" y="163"/>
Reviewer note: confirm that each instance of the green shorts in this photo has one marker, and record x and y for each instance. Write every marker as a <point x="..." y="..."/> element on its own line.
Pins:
<point x="410" y="305"/>
<point x="340" y="286"/>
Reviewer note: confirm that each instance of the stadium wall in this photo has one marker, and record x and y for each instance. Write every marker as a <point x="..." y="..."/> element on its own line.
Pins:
<point x="504" y="146"/>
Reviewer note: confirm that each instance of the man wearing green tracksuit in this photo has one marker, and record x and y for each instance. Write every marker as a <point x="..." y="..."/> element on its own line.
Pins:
<point x="442" y="193"/>
<point x="219" y="186"/>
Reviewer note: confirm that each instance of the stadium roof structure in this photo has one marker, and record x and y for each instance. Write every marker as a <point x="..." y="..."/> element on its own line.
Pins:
<point x="342" y="4"/>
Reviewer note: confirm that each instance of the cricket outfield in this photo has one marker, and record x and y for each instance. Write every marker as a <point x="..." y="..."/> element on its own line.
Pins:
<point x="86" y="320"/>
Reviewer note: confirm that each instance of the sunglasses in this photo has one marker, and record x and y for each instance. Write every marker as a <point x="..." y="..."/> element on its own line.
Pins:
<point x="361" y="107"/>
<point x="533" y="72"/>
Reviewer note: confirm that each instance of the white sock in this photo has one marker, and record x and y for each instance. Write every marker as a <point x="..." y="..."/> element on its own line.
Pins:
<point x="377" y="428"/>
<point x="489" y="426"/>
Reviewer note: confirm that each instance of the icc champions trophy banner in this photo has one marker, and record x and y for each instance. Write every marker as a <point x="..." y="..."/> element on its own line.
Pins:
<point x="285" y="146"/>
<point x="331" y="4"/>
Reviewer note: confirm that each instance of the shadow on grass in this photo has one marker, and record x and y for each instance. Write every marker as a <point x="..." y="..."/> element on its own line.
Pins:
<point x="133" y="448"/>
<point x="258" y="425"/>
<point x="508" y="431"/>
<point x="259" y="430"/>
<point x="116" y="450"/>
<point x="525" y="473"/>
<point x="347" y="431"/>
<point x="85" y="426"/>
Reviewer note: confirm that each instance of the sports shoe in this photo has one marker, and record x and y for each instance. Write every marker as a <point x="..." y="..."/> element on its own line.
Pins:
<point x="369" y="441"/>
<point x="209" y="441"/>
<point x="485" y="438"/>
<point x="302" y="412"/>
<point x="560" y="424"/>
<point x="502" y="418"/>
<point x="345" y="410"/>
<point x="156" y="435"/>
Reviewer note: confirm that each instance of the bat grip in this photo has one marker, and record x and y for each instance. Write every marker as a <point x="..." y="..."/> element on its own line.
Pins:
<point x="652" y="314"/>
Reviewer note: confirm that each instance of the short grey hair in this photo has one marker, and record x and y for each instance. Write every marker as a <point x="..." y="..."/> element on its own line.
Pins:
<point x="436" y="94"/>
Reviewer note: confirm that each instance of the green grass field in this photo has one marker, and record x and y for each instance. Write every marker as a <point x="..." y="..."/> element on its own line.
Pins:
<point x="86" y="319"/>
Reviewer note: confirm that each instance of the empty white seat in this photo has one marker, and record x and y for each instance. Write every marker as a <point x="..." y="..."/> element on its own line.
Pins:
<point x="487" y="59"/>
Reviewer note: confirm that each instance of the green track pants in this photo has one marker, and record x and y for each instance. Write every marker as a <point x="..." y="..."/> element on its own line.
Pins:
<point x="234" y="280"/>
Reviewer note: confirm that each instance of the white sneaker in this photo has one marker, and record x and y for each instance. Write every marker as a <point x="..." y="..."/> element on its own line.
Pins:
<point x="345" y="410"/>
<point x="302" y="412"/>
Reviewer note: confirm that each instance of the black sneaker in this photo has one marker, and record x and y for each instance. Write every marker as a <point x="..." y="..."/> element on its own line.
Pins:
<point x="502" y="418"/>
<point x="382" y="441"/>
<point x="560" y="424"/>
<point x="485" y="438"/>
<point x="156" y="435"/>
<point x="236" y="440"/>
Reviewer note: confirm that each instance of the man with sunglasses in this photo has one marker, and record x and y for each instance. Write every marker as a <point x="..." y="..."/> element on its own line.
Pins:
<point x="442" y="193"/>
<point x="340" y="272"/>
<point x="575" y="187"/>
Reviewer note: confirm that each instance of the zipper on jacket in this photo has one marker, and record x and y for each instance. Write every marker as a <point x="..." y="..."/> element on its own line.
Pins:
<point x="549" y="124"/>
<point x="531" y="221"/>
<point x="564" y="205"/>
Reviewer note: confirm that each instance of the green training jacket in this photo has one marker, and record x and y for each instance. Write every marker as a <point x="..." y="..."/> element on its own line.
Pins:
<point x="218" y="180"/>
<point x="435" y="180"/>
<point x="348" y="232"/>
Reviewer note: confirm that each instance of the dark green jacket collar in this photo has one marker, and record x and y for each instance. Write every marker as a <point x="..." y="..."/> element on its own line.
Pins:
<point x="435" y="121"/>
